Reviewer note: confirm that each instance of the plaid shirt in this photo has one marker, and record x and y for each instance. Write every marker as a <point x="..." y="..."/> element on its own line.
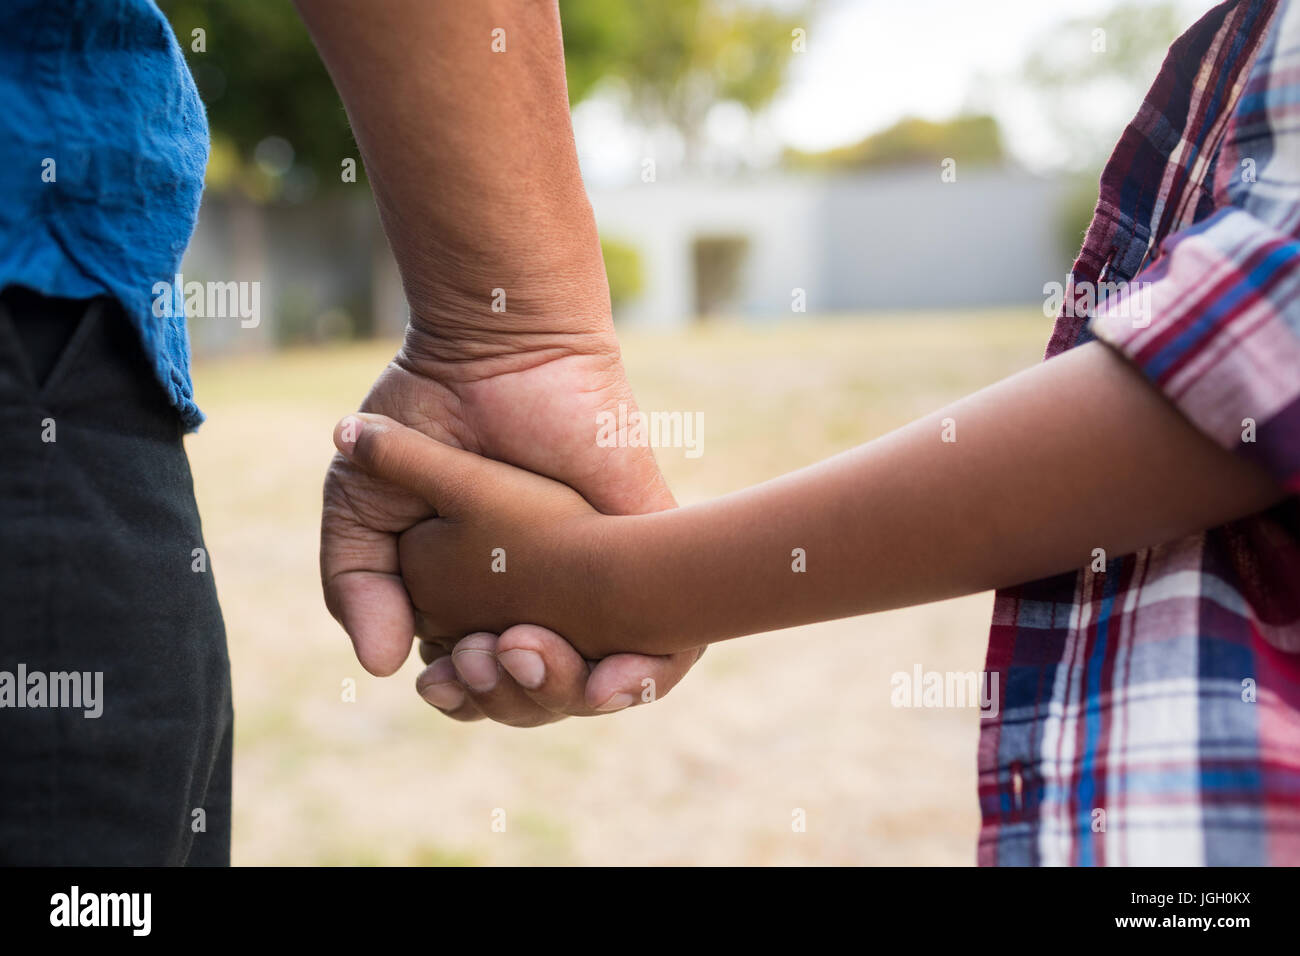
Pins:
<point x="1151" y="711"/>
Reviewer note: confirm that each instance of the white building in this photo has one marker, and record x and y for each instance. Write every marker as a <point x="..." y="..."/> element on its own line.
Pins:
<point x="853" y="243"/>
<point x="743" y="246"/>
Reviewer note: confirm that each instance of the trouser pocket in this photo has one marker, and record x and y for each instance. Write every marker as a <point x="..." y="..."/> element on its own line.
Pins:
<point x="40" y="330"/>
<point x="120" y="751"/>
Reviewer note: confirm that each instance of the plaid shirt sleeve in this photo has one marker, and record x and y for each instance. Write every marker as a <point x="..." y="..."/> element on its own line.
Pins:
<point x="1151" y="702"/>
<point x="1214" y="321"/>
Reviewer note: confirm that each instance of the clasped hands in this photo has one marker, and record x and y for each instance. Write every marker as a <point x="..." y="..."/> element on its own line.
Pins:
<point x="427" y="508"/>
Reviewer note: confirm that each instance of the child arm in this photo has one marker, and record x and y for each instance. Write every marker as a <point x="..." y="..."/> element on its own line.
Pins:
<point x="1075" y="454"/>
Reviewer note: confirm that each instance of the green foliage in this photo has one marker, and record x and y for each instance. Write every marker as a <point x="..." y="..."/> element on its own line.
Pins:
<point x="674" y="59"/>
<point x="1088" y="60"/>
<point x="624" y="269"/>
<point x="1076" y="211"/>
<point x="260" y="77"/>
<point x="1113" y="58"/>
<point x="303" y="319"/>
<point x="1128" y="43"/>
<point x="916" y="142"/>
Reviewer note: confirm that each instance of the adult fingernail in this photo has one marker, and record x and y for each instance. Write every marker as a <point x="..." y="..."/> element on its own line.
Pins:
<point x="346" y="434"/>
<point x="526" y="667"/>
<point x="477" y="668"/>
<point x="443" y="696"/>
<point x="616" y="702"/>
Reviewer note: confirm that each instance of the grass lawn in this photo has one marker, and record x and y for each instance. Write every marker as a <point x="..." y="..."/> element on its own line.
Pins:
<point x="799" y="719"/>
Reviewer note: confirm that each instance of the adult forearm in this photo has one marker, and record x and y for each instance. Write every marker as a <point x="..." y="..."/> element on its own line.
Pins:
<point x="1076" y="454"/>
<point x="471" y="156"/>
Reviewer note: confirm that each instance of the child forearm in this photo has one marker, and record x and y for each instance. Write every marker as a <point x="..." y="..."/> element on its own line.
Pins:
<point x="1075" y="454"/>
<point x="1037" y="472"/>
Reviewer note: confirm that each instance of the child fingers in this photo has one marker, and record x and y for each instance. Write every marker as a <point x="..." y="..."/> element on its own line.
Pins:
<point x="386" y="449"/>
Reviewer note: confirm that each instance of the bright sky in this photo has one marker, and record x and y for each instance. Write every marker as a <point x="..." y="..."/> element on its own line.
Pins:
<point x="870" y="62"/>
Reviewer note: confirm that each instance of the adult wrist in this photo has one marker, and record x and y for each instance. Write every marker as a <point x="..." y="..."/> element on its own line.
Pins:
<point x="467" y="342"/>
<point x="531" y="272"/>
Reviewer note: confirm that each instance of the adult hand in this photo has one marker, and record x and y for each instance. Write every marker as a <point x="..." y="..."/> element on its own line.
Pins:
<point x="469" y="150"/>
<point x="531" y="401"/>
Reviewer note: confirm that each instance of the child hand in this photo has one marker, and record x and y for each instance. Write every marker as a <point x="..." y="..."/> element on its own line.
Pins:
<point x="508" y="546"/>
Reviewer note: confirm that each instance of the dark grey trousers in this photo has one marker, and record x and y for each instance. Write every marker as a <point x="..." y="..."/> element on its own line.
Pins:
<point x="101" y="583"/>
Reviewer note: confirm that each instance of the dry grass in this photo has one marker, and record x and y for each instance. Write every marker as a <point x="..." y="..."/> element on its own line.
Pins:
<point x="711" y="774"/>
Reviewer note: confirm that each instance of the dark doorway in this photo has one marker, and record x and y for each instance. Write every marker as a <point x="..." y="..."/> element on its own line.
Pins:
<point x="718" y="262"/>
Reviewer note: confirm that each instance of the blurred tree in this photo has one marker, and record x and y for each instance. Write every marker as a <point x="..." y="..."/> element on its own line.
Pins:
<point x="279" y="130"/>
<point x="624" y="269"/>
<point x="676" y="59"/>
<point x="278" y="127"/>
<point x="1075" y="212"/>
<point x="1077" y="73"/>
<point x="913" y="142"/>
<point x="1091" y="60"/>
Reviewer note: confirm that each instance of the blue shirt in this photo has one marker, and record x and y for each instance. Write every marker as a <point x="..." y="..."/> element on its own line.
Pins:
<point x="103" y="144"/>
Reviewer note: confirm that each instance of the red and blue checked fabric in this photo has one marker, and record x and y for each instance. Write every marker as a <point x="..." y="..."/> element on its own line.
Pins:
<point x="1151" y="711"/>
